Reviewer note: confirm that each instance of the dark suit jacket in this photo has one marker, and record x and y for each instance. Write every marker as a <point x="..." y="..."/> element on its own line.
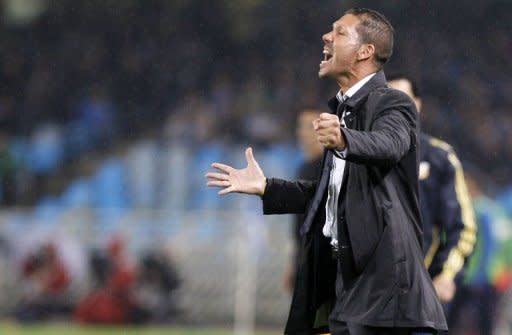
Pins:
<point x="381" y="280"/>
<point x="309" y="170"/>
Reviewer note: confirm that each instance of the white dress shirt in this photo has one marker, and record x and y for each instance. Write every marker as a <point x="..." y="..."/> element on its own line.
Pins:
<point x="330" y="228"/>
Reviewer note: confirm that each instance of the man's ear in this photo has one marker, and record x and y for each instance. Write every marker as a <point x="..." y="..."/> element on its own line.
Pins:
<point x="365" y="51"/>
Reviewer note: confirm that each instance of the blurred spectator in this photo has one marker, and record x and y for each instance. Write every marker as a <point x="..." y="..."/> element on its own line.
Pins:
<point x="157" y="281"/>
<point x="113" y="302"/>
<point x="96" y="117"/>
<point x="47" y="283"/>
<point x="123" y="293"/>
<point x="192" y="122"/>
<point x="99" y="265"/>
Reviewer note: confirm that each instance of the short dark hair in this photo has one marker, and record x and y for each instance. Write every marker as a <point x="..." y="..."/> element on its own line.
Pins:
<point x="375" y="29"/>
<point x="400" y="76"/>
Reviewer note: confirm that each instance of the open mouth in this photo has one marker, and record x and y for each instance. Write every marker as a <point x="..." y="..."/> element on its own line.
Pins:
<point x="327" y="55"/>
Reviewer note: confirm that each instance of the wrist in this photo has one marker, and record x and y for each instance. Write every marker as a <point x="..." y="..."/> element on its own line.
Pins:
<point x="263" y="187"/>
<point x="446" y="275"/>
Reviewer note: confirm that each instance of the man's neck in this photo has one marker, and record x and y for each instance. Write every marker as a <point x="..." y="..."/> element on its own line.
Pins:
<point x="348" y="80"/>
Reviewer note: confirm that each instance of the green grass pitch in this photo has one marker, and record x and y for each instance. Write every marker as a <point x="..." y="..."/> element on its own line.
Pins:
<point x="10" y="328"/>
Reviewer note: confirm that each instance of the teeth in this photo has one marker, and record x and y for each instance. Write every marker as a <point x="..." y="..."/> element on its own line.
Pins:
<point x="327" y="54"/>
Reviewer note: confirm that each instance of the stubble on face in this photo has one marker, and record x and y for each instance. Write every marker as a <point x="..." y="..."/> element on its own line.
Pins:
<point x="340" y="48"/>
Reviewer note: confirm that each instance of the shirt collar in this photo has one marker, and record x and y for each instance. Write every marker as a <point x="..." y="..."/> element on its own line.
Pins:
<point x="352" y="90"/>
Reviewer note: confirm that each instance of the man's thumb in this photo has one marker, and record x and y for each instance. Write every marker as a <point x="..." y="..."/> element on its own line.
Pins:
<point x="249" y="156"/>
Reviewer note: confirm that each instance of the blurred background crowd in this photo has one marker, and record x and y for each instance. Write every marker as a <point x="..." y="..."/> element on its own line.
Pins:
<point x="117" y="106"/>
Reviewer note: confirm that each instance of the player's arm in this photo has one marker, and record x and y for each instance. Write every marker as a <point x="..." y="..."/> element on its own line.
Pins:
<point x="456" y="218"/>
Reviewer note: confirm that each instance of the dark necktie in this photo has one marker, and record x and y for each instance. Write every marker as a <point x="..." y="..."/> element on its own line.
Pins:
<point x="342" y="111"/>
<point x="341" y="107"/>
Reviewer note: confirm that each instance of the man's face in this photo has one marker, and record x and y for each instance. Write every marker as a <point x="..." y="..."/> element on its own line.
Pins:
<point x="405" y="86"/>
<point x="340" y="47"/>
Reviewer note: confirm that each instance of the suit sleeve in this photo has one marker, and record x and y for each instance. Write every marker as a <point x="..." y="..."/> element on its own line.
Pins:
<point x="456" y="220"/>
<point x="390" y="135"/>
<point x="287" y="197"/>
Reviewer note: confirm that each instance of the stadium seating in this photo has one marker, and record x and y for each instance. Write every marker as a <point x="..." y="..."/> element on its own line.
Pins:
<point x="46" y="149"/>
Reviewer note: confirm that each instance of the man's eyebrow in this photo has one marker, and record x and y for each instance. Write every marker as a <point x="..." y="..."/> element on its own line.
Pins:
<point x="336" y="26"/>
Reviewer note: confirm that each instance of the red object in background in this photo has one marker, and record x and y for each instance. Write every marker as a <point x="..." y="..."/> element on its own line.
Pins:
<point x="58" y="280"/>
<point x="122" y="276"/>
<point x="121" y="279"/>
<point x="504" y="281"/>
<point x="103" y="307"/>
<point x="112" y="304"/>
<point x="48" y="270"/>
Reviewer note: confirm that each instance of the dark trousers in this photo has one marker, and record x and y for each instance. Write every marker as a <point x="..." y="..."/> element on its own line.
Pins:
<point x="343" y="328"/>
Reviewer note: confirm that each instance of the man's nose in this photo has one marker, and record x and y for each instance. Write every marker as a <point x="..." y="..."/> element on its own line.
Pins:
<point x="327" y="37"/>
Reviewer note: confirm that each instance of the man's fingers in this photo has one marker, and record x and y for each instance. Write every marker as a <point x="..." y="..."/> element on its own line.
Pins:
<point x="315" y="123"/>
<point x="327" y="116"/>
<point x="218" y="183"/>
<point x="327" y="124"/>
<point x="226" y="190"/>
<point x="223" y="167"/>
<point x="217" y="176"/>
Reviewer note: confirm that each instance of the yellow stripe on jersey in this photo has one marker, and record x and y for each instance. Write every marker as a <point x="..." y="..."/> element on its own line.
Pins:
<point x="441" y="144"/>
<point x="467" y="239"/>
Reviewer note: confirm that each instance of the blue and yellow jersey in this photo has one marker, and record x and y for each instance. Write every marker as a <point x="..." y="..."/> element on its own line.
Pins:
<point x="447" y="213"/>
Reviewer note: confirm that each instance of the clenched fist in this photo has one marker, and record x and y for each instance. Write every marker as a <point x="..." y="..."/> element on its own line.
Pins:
<point x="328" y="131"/>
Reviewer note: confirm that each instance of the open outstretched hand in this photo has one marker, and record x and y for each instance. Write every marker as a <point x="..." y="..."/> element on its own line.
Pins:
<point x="249" y="180"/>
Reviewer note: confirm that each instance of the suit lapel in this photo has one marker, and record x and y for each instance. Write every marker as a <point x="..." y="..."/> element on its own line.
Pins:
<point x="319" y="193"/>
